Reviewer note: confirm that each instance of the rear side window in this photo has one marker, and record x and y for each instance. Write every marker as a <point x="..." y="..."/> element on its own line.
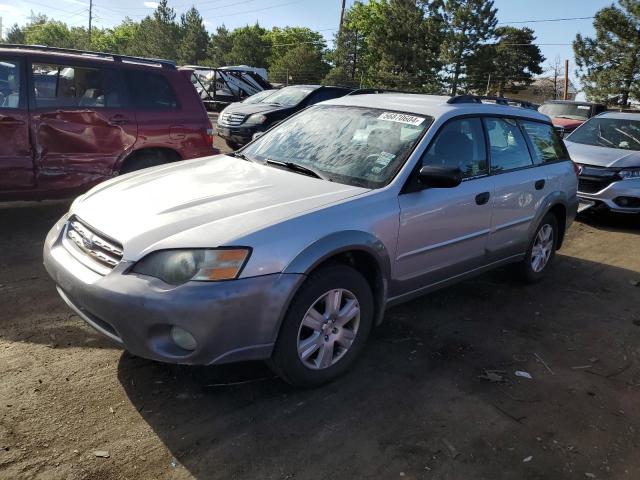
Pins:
<point x="150" y="91"/>
<point x="10" y="83"/>
<point x="69" y="86"/>
<point x="507" y="146"/>
<point x="546" y="143"/>
<point x="460" y="143"/>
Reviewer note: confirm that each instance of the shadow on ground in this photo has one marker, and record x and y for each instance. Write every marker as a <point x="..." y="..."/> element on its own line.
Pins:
<point x="414" y="403"/>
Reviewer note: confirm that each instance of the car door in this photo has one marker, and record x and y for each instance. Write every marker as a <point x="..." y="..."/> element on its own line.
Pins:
<point x="443" y="231"/>
<point x="16" y="163"/>
<point x="79" y="123"/>
<point x="519" y="187"/>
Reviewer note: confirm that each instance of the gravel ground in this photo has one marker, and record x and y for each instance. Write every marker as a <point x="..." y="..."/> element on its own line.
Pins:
<point x="413" y="408"/>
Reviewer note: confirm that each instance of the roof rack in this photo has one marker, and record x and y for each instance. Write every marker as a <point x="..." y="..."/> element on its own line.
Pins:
<point x="114" y="56"/>
<point x="364" y="91"/>
<point x="468" y="98"/>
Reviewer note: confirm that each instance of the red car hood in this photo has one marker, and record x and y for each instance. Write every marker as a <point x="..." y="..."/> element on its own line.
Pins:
<point x="566" y="123"/>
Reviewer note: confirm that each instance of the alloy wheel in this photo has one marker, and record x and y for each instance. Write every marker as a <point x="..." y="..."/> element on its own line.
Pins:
<point x="328" y="329"/>
<point x="542" y="248"/>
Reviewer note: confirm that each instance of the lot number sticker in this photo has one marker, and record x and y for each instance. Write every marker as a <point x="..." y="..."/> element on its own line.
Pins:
<point x="401" y="118"/>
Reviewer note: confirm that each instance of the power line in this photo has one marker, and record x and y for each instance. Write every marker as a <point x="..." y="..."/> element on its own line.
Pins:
<point x="547" y="20"/>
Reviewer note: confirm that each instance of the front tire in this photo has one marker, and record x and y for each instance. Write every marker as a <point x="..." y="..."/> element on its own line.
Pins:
<point x="325" y="328"/>
<point x="232" y="145"/>
<point x="541" y="250"/>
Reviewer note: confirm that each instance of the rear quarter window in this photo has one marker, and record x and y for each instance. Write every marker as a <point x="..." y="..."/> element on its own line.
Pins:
<point x="150" y="91"/>
<point x="547" y="146"/>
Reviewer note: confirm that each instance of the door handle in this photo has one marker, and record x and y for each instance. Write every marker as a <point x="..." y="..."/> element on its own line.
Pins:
<point x="118" y="120"/>
<point x="10" y="121"/>
<point x="539" y="184"/>
<point x="482" y="198"/>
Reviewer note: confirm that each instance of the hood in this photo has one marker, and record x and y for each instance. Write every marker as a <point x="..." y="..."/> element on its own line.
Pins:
<point x="251" y="108"/>
<point x="201" y="203"/>
<point x="602" y="156"/>
<point x="567" y="123"/>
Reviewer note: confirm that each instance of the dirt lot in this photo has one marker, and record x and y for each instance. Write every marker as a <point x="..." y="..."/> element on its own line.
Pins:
<point x="414" y="406"/>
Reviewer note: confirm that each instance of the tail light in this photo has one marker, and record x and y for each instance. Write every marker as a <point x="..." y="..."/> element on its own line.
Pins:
<point x="209" y="134"/>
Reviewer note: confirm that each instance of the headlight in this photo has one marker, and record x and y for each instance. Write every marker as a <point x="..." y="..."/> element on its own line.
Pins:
<point x="179" y="266"/>
<point x="629" y="173"/>
<point x="256" y="119"/>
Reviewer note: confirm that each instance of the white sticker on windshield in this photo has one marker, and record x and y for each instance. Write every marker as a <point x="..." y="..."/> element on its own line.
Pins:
<point x="382" y="162"/>
<point x="401" y="118"/>
<point x="583" y="107"/>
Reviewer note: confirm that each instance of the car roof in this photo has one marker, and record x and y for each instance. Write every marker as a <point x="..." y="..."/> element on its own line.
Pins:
<point x="620" y="115"/>
<point x="55" y="54"/>
<point x="432" y="105"/>
<point x="571" y="102"/>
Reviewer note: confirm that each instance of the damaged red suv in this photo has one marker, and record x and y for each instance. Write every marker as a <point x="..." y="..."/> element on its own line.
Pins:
<point x="71" y="119"/>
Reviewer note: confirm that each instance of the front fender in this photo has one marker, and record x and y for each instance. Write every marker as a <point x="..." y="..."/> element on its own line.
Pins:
<point x="339" y="242"/>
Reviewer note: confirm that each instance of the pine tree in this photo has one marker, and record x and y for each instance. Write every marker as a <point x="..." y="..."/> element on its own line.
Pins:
<point x="193" y="45"/>
<point x="469" y="24"/>
<point x="15" y="35"/>
<point x="508" y="65"/>
<point x="220" y="45"/>
<point x="159" y="35"/>
<point x="609" y="64"/>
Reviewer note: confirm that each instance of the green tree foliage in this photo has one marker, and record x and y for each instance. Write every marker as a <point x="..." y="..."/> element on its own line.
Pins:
<point x="298" y="52"/>
<point x="43" y="31"/>
<point x="506" y="66"/>
<point x="15" y="35"/>
<point x="609" y="64"/>
<point x="250" y="45"/>
<point x="120" y="39"/>
<point x="220" y="44"/>
<point x="390" y="43"/>
<point x="470" y="23"/>
<point x="159" y="34"/>
<point x="195" y="39"/>
<point x="299" y="64"/>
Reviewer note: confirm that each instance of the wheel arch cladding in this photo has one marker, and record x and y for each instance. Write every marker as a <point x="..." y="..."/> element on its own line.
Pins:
<point x="360" y="250"/>
<point x="560" y="212"/>
<point x="169" y="154"/>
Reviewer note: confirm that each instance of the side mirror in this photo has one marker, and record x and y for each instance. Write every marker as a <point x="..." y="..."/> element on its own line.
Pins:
<point x="257" y="135"/>
<point x="440" y="177"/>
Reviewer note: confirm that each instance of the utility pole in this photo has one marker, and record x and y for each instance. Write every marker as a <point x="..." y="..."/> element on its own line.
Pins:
<point x="488" y="86"/>
<point x="90" y="19"/>
<point x="566" y="80"/>
<point x="342" y="15"/>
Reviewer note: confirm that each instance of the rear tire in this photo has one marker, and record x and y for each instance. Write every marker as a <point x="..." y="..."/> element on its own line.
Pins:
<point x="325" y="328"/>
<point x="145" y="160"/>
<point x="541" y="250"/>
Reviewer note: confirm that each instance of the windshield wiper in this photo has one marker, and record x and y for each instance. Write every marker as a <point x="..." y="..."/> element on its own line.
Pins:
<point x="242" y="156"/>
<point x="296" y="167"/>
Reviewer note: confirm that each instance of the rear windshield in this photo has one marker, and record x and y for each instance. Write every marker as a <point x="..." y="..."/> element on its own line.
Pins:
<point x="609" y="132"/>
<point x="571" y="111"/>
<point x="353" y="145"/>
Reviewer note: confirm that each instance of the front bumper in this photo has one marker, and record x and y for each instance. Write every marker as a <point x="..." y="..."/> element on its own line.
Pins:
<point x="239" y="135"/>
<point x="612" y="196"/>
<point x="231" y="321"/>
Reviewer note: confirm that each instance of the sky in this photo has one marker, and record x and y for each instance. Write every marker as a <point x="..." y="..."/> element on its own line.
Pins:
<point x="322" y="15"/>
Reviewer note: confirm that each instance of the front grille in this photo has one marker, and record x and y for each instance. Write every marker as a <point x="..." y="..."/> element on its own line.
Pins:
<point x="231" y="119"/>
<point x="589" y="185"/>
<point x="594" y="179"/>
<point x="92" y="245"/>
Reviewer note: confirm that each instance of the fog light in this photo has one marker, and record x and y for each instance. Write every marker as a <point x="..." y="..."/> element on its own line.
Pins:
<point x="183" y="338"/>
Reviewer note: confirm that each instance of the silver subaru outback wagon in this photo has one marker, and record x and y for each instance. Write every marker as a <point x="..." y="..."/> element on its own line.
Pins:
<point x="291" y="249"/>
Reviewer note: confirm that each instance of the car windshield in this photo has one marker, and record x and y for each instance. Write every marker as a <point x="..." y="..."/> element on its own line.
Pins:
<point x="258" y="97"/>
<point x="572" y="111"/>
<point x="609" y="132"/>
<point x="290" y="96"/>
<point x="353" y="145"/>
